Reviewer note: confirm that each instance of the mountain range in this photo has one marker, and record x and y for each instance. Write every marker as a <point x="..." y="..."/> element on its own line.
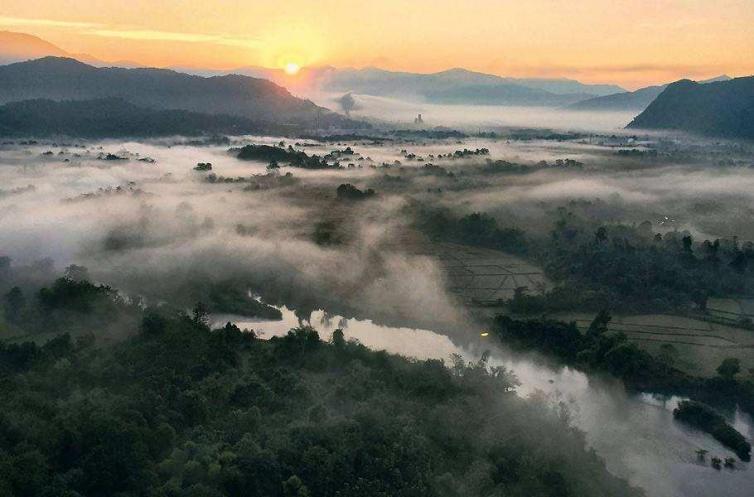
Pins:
<point x="42" y="84"/>
<point x="454" y="86"/>
<point x="720" y="109"/>
<point x="461" y="86"/>
<point x="20" y="47"/>
<point x="259" y="100"/>
<point x="16" y="47"/>
<point x="637" y="100"/>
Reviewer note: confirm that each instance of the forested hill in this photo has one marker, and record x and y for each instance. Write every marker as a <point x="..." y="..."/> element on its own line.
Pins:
<point x="168" y="407"/>
<point x="460" y="86"/>
<point x="256" y="99"/>
<point x="723" y="109"/>
<point x="636" y="100"/>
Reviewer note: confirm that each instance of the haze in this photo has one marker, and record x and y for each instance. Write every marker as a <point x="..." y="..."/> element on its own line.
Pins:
<point x="402" y="249"/>
<point x="631" y="43"/>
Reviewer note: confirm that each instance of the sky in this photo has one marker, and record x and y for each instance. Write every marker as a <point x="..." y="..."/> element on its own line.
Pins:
<point x="629" y="42"/>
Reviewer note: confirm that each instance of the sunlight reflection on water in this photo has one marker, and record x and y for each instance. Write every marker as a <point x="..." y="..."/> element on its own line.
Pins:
<point x="635" y="434"/>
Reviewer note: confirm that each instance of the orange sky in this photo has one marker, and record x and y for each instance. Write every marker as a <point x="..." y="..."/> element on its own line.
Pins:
<point x="632" y="43"/>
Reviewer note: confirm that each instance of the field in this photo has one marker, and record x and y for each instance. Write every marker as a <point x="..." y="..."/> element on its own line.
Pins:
<point x="483" y="277"/>
<point x="739" y="310"/>
<point x="700" y="345"/>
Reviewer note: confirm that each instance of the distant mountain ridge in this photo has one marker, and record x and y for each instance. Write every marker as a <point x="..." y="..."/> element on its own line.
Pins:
<point x="452" y="86"/>
<point x="15" y="47"/>
<point x="259" y="100"/>
<point x="20" y="47"/>
<point x="462" y="87"/>
<point x="637" y="100"/>
<point x="720" y="109"/>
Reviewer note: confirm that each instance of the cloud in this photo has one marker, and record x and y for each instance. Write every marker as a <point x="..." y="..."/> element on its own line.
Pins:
<point x="105" y="31"/>
<point x="152" y="35"/>
<point x="21" y="21"/>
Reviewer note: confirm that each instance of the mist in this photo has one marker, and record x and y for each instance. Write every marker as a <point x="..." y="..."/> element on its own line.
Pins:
<point x="403" y="112"/>
<point x="151" y="225"/>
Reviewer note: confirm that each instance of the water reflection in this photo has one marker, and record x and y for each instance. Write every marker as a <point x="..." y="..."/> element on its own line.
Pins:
<point x="636" y="435"/>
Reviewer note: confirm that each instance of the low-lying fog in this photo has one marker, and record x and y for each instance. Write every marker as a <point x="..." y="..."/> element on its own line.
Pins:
<point x="470" y="116"/>
<point x="149" y="227"/>
<point x="131" y="219"/>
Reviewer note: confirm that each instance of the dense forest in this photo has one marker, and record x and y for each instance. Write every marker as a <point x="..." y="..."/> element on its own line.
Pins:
<point x="627" y="268"/>
<point x="171" y="407"/>
<point x="598" y="349"/>
<point x="278" y="154"/>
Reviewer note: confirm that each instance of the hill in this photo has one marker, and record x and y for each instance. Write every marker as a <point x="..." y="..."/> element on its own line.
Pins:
<point x="175" y="408"/>
<point x="721" y="109"/>
<point x="20" y="47"/>
<point x="15" y="47"/>
<point x="567" y="86"/>
<point x="453" y="86"/>
<point x="631" y="100"/>
<point x="113" y="117"/>
<point x="460" y="86"/>
<point x="637" y="100"/>
<point x="259" y="100"/>
<point x="379" y="82"/>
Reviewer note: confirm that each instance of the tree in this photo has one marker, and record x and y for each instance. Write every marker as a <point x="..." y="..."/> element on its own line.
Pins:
<point x="687" y="244"/>
<point x="76" y="273"/>
<point x="668" y="354"/>
<point x="201" y="313"/>
<point x="599" y="324"/>
<point x="14" y="304"/>
<point x="338" y="338"/>
<point x="600" y="235"/>
<point x="294" y="487"/>
<point x="729" y="368"/>
<point x="347" y="103"/>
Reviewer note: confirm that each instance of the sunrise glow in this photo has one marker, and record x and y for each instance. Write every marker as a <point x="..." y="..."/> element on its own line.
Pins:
<point x="628" y="42"/>
<point x="291" y="68"/>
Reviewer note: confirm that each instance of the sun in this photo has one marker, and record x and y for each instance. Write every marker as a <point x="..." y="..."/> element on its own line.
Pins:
<point x="291" y="68"/>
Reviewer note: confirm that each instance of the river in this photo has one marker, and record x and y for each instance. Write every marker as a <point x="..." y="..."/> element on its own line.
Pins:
<point x="636" y="435"/>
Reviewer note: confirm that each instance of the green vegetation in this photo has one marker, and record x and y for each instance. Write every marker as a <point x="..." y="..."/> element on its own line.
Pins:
<point x="478" y="229"/>
<point x="67" y="306"/>
<point x="349" y="192"/>
<point x="597" y="349"/>
<point x="327" y="233"/>
<point x="703" y="417"/>
<point x="228" y="298"/>
<point x="506" y="167"/>
<point x="290" y="156"/>
<point x="636" y="269"/>
<point x="620" y="267"/>
<point x="600" y="350"/>
<point x="177" y="409"/>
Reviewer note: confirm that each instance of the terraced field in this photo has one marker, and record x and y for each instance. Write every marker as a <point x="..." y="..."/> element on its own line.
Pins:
<point x="484" y="277"/>
<point x="731" y="308"/>
<point x="700" y="345"/>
